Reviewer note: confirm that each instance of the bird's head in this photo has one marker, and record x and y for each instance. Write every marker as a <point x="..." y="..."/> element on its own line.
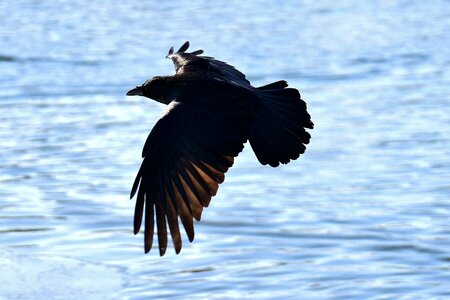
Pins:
<point x="156" y="88"/>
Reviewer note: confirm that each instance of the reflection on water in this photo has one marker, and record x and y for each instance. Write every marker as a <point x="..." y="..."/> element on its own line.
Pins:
<point x="364" y="214"/>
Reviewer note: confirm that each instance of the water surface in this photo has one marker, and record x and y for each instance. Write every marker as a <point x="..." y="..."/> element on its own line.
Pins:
<point x="364" y="214"/>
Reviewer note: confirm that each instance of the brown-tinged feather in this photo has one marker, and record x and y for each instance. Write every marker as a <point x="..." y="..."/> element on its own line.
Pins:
<point x="194" y="201"/>
<point x="149" y="224"/>
<point x="212" y="185"/>
<point x="218" y="176"/>
<point x="184" y="212"/>
<point x="198" y="181"/>
<point x="161" y="226"/>
<point x="172" y="219"/>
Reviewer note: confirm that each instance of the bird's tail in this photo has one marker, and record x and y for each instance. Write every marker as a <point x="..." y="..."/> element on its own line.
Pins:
<point x="278" y="131"/>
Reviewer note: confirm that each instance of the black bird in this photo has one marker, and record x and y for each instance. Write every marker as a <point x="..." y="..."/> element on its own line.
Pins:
<point x="212" y="111"/>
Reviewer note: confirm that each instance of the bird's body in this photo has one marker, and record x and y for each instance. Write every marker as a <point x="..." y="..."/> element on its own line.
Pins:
<point x="212" y="111"/>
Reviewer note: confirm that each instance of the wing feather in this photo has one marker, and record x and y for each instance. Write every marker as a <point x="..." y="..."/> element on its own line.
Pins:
<point x="139" y="208"/>
<point x="161" y="227"/>
<point x="149" y="224"/>
<point x="192" y="62"/>
<point x="185" y="158"/>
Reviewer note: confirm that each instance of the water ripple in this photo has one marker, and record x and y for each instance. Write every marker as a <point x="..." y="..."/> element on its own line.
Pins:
<point x="362" y="215"/>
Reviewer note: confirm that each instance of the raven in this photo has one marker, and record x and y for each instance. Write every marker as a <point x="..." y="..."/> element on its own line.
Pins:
<point x="212" y="111"/>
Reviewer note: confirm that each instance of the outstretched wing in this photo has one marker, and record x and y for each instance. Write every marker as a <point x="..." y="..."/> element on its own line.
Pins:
<point x="185" y="158"/>
<point x="192" y="62"/>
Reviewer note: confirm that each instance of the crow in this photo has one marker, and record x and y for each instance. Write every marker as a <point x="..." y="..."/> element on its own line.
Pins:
<point x="212" y="111"/>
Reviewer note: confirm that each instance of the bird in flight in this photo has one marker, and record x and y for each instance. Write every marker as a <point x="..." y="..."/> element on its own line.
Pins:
<point x="212" y="111"/>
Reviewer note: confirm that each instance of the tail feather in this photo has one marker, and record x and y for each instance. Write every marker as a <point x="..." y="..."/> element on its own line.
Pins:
<point x="278" y="132"/>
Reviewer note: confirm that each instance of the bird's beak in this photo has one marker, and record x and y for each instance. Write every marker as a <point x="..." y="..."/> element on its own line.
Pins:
<point x="137" y="91"/>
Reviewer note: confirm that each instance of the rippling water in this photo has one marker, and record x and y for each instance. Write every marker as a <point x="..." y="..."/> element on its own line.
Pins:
<point x="364" y="214"/>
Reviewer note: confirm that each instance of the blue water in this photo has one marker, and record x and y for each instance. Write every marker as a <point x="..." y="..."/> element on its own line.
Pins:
<point x="364" y="214"/>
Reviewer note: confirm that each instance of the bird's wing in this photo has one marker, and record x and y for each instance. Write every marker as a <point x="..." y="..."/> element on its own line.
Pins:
<point x="184" y="160"/>
<point x="192" y="62"/>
